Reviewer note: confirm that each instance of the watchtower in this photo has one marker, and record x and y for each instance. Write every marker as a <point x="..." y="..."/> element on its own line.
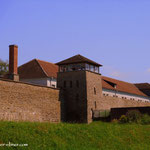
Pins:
<point x="79" y="80"/>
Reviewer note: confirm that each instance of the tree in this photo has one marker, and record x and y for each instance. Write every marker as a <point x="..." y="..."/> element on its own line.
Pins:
<point x="3" y="67"/>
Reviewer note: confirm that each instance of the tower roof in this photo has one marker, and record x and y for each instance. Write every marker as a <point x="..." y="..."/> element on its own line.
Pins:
<point x="77" y="59"/>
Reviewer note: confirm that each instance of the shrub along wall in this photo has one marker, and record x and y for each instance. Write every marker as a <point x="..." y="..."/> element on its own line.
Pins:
<point x="25" y="102"/>
<point x="116" y="113"/>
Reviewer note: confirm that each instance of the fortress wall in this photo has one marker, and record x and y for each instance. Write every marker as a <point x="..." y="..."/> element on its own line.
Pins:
<point x="25" y="102"/>
<point x="108" y="102"/>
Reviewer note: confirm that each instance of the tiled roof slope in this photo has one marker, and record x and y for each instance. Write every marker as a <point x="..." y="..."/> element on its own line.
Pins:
<point x="121" y="86"/>
<point x="49" y="68"/>
<point x="144" y="87"/>
<point x="77" y="59"/>
<point x="37" y="69"/>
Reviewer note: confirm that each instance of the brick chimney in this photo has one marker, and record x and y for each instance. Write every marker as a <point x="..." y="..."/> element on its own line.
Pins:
<point x="13" y="62"/>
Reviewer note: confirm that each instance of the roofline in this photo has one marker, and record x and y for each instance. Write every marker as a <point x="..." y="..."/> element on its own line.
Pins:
<point x="99" y="65"/>
<point x="117" y="80"/>
<point x="41" y="68"/>
<point x="92" y="62"/>
<point x="46" y="61"/>
<point x="26" y="62"/>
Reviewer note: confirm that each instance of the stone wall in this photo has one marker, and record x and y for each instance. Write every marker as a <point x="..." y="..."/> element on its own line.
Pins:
<point x="108" y="102"/>
<point x="26" y="102"/>
<point x="94" y="93"/>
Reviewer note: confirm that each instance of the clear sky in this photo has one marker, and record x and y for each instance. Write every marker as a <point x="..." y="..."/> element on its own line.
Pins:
<point x="114" y="33"/>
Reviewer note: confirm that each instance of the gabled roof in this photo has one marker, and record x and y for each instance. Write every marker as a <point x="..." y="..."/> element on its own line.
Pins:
<point x="77" y="59"/>
<point x="144" y="87"/>
<point x="37" y="69"/>
<point x="121" y="86"/>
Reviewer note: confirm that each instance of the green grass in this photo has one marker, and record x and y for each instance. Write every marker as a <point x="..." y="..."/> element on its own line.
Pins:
<point x="63" y="136"/>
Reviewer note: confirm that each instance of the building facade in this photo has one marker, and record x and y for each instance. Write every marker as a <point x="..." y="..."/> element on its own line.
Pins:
<point x="39" y="72"/>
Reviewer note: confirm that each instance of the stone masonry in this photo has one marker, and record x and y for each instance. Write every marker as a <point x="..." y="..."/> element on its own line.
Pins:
<point x="25" y="102"/>
<point x="82" y="94"/>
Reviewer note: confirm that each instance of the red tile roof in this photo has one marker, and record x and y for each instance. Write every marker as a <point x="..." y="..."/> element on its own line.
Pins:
<point x="50" y="69"/>
<point x="121" y="86"/>
<point x="37" y="69"/>
<point x="77" y="59"/>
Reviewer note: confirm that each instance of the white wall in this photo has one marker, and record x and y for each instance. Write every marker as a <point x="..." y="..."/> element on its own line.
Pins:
<point x="42" y="81"/>
<point x="51" y="82"/>
<point x="124" y="95"/>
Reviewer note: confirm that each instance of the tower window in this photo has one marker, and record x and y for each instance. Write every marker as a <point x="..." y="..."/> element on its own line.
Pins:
<point x="94" y="90"/>
<point x="95" y="104"/>
<point x="77" y="83"/>
<point x="70" y="84"/>
<point x="64" y="84"/>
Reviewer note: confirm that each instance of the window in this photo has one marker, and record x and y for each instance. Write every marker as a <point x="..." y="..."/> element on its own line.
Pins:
<point x="70" y="84"/>
<point x="96" y="69"/>
<point x="61" y="69"/>
<point x="92" y="68"/>
<point x="77" y="83"/>
<point x="87" y="67"/>
<point x="95" y="104"/>
<point x="64" y="84"/>
<point x="53" y="85"/>
<point x="94" y="90"/>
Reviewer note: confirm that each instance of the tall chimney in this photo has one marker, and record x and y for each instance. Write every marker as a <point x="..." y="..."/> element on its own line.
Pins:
<point x="13" y="62"/>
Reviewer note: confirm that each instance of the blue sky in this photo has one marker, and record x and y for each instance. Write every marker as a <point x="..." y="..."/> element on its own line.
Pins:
<point x="114" y="33"/>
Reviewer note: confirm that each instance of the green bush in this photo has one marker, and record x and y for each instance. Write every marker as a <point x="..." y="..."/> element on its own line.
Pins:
<point x="145" y="119"/>
<point x="133" y="116"/>
<point x="123" y="119"/>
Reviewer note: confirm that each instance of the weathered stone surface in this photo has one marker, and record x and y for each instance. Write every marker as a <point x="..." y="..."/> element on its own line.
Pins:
<point x="25" y="102"/>
<point x="108" y="102"/>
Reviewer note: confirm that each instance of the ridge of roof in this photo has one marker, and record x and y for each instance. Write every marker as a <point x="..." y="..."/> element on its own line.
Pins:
<point x="45" y="61"/>
<point x="50" y="69"/>
<point x="77" y="59"/>
<point x="41" y="67"/>
<point x="27" y="62"/>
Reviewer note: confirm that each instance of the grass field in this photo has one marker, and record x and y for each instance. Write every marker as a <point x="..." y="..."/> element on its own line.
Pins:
<point x="63" y="136"/>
